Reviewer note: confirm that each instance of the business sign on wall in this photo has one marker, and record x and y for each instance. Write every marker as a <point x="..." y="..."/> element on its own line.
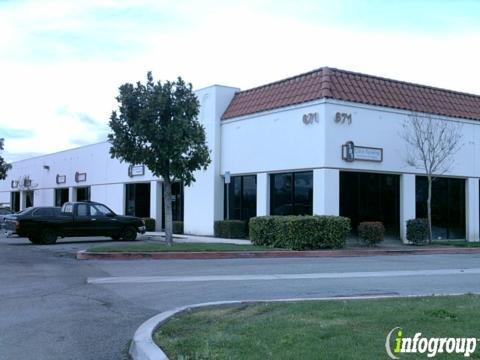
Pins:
<point x="80" y="177"/>
<point x="351" y="152"/>
<point x="136" y="170"/>
<point x="61" y="179"/>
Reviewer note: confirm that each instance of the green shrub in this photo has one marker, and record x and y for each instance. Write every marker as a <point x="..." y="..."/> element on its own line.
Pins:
<point x="149" y="224"/>
<point x="262" y="229"/>
<point x="300" y="232"/>
<point x="230" y="229"/>
<point x="372" y="232"/>
<point x="417" y="231"/>
<point x="177" y="227"/>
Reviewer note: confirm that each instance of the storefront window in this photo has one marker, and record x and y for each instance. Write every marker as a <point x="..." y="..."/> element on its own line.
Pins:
<point x="61" y="196"/>
<point x="83" y="193"/>
<point x="291" y="193"/>
<point x="15" y="201"/>
<point x="29" y="198"/>
<point x="448" y="206"/>
<point x="371" y="197"/>
<point x="241" y="198"/>
<point x="137" y="200"/>
<point x="177" y="202"/>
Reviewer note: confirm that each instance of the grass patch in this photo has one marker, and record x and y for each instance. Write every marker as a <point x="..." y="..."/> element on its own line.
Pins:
<point x="457" y="243"/>
<point x="354" y="329"/>
<point x="182" y="247"/>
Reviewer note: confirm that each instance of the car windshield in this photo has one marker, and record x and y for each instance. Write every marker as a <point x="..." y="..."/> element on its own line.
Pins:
<point x="99" y="209"/>
<point x="26" y="211"/>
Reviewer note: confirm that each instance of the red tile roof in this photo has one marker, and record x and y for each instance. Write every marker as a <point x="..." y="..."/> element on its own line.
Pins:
<point x="355" y="87"/>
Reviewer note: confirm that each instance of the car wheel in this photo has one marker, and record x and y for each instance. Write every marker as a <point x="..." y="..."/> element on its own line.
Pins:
<point x="48" y="237"/>
<point x="129" y="234"/>
<point x="34" y="240"/>
<point x="116" y="237"/>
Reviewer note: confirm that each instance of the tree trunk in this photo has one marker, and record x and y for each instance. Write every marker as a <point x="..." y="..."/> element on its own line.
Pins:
<point x="429" y="209"/>
<point x="168" y="211"/>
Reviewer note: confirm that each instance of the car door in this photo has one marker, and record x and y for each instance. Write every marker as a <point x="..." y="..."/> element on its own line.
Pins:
<point x="103" y="221"/>
<point x="83" y="222"/>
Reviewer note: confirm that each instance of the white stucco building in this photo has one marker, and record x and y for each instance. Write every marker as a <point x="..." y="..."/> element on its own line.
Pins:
<point x="285" y="147"/>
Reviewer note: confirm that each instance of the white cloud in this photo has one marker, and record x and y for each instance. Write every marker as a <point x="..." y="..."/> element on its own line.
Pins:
<point x="77" y="63"/>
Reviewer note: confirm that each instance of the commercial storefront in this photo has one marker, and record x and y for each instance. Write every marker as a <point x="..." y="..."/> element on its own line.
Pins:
<point x="323" y="142"/>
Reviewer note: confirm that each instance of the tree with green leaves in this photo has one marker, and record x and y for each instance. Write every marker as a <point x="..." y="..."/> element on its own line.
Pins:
<point x="156" y="125"/>
<point x="4" y="166"/>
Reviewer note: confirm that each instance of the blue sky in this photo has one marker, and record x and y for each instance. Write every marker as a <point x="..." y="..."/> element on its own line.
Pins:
<point x="62" y="61"/>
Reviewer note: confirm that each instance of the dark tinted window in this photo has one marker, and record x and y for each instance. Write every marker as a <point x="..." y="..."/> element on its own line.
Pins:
<point x="83" y="193"/>
<point x="448" y="206"/>
<point x="15" y="201"/>
<point x="291" y="193"/>
<point x="241" y="197"/>
<point x="26" y="211"/>
<point x="61" y="196"/>
<point x="137" y="200"/>
<point x="177" y="202"/>
<point x="371" y="197"/>
<point x="45" y="212"/>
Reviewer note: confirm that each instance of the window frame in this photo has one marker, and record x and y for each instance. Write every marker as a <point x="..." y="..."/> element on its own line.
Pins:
<point x="292" y="194"/>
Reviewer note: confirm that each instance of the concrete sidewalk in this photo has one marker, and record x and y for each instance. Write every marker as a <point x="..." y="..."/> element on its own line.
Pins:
<point x="182" y="238"/>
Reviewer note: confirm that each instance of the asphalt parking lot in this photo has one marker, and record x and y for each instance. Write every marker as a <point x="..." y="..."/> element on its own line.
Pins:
<point x="56" y="307"/>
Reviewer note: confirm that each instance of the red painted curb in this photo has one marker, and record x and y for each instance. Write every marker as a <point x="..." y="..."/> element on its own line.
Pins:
<point x="85" y="255"/>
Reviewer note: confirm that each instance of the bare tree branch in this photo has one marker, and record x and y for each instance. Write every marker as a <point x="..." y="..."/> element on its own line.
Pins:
<point x="431" y="146"/>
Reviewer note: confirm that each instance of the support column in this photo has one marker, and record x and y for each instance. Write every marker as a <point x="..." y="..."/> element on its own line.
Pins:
<point x="407" y="203"/>
<point x="263" y="194"/>
<point x="156" y="197"/>
<point x="326" y="192"/>
<point x="23" y="200"/>
<point x="472" y="212"/>
<point x="72" y="194"/>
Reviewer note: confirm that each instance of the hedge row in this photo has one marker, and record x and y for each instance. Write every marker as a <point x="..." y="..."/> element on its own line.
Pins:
<point x="300" y="232"/>
<point x="150" y="225"/>
<point x="230" y="229"/>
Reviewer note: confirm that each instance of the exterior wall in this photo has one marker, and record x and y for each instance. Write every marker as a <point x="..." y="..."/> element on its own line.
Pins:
<point x="274" y="142"/>
<point x="204" y="198"/>
<point x="4" y="197"/>
<point x="105" y="176"/>
<point x="381" y="128"/>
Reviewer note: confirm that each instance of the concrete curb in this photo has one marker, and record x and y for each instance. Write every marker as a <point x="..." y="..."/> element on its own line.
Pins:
<point x="144" y="348"/>
<point x="86" y="255"/>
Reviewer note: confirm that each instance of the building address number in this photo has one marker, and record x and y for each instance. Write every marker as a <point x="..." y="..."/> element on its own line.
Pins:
<point x="343" y="118"/>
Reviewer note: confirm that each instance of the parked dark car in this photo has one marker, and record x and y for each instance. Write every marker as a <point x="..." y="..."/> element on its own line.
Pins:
<point x="29" y="215"/>
<point x="4" y="211"/>
<point x="75" y="219"/>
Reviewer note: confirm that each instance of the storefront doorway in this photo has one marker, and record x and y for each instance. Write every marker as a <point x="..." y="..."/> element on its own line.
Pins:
<point x="29" y="195"/>
<point x="371" y="197"/>
<point x="61" y="196"/>
<point x="15" y="201"/>
<point x="83" y="193"/>
<point x="177" y="202"/>
<point x="448" y="206"/>
<point x="137" y="200"/>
